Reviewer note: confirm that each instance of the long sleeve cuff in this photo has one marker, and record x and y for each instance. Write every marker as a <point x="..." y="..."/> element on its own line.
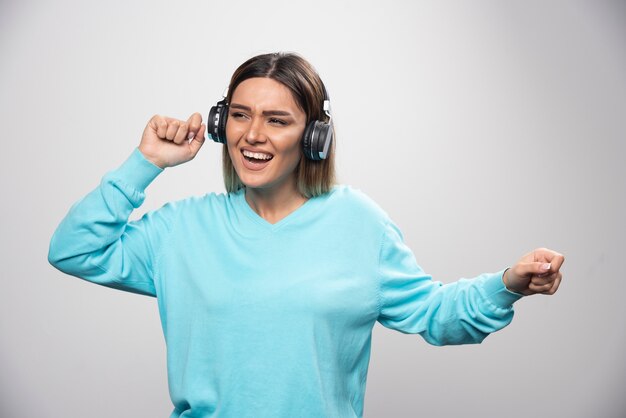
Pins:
<point x="497" y="293"/>
<point x="137" y="171"/>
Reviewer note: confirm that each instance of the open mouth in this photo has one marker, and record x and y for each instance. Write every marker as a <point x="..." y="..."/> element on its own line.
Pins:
<point x="257" y="157"/>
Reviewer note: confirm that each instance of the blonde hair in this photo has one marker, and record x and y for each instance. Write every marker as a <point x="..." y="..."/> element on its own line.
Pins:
<point x="313" y="178"/>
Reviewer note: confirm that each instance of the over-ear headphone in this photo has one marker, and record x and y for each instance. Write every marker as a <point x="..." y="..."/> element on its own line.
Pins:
<point x="316" y="139"/>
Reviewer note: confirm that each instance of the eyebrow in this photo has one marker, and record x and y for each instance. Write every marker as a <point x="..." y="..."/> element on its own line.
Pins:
<point x="265" y="112"/>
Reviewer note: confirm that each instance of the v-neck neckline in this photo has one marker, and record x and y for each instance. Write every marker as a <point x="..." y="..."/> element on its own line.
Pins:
<point x="240" y="198"/>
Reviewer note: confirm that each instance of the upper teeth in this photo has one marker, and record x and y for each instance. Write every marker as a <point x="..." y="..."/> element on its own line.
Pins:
<point x="257" y="155"/>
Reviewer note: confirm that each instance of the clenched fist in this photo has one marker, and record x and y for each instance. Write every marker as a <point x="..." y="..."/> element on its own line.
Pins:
<point x="167" y="142"/>
<point x="537" y="272"/>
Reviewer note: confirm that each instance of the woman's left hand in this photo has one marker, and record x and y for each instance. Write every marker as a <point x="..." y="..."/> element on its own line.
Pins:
<point x="536" y="272"/>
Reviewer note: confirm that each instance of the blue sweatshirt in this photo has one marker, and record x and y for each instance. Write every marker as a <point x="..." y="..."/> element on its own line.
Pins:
<point x="268" y="320"/>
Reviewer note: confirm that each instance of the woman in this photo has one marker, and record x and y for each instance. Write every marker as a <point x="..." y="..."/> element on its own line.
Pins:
<point x="268" y="293"/>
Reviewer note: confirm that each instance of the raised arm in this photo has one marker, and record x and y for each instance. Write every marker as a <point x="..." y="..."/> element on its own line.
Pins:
<point x="96" y="242"/>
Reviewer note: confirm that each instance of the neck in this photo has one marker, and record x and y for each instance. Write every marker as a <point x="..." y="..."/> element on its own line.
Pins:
<point x="273" y="204"/>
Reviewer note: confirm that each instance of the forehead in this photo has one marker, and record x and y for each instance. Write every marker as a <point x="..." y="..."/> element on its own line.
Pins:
<point x="263" y="94"/>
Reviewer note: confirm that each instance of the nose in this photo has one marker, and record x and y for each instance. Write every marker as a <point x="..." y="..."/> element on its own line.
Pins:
<point x="255" y="131"/>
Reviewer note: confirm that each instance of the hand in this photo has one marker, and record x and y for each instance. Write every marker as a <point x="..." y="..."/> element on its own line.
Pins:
<point x="167" y="142"/>
<point x="536" y="272"/>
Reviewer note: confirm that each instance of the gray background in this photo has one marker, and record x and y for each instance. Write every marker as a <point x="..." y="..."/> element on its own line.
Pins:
<point x="485" y="129"/>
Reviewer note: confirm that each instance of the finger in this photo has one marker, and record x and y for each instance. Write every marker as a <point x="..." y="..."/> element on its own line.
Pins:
<point x="172" y="128"/>
<point x="197" y="141"/>
<point x="160" y="125"/>
<point x="547" y="276"/>
<point x="555" y="286"/>
<point x="550" y="256"/>
<point x="541" y="281"/>
<point x="557" y="261"/>
<point x="534" y="268"/>
<point x="540" y="288"/>
<point x="194" y="122"/>
<point x="181" y="134"/>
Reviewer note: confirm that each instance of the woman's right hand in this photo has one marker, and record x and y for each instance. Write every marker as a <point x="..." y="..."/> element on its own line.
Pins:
<point x="167" y="142"/>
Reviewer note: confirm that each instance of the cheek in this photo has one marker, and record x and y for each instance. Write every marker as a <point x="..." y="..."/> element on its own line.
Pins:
<point x="232" y="136"/>
<point x="293" y="141"/>
<point x="230" y="132"/>
<point x="230" y="145"/>
<point x="294" y="150"/>
<point x="296" y="145"/>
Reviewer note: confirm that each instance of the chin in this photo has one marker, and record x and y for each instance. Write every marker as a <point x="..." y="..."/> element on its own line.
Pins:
<point x="261" y="182"/>
<point x="252" y="183"/>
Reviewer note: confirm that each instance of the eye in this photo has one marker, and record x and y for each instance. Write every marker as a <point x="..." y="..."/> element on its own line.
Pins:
<point x="237" y="115"/>
<point x="276" y="121"/>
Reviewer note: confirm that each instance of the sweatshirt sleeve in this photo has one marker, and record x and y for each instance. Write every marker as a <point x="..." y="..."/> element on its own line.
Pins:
<point x="463" y="312"/>
<point x="96" y="242"/>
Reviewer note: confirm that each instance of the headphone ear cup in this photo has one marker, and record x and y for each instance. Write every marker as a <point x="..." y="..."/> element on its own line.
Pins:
<point x="321" y="135"/>
<point x="316" y="136"/>
<point x="221" y="128"/>
<point x="211" y="127"/>
<point x="216" y="122"/>
<point x="307" y="141"/>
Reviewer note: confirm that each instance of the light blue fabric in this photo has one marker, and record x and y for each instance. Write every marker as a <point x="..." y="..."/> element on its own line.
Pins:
<point x="268" y="320"/>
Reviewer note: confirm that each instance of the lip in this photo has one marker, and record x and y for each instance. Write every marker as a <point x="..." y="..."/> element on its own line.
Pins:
<point x="254" y="166"/>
